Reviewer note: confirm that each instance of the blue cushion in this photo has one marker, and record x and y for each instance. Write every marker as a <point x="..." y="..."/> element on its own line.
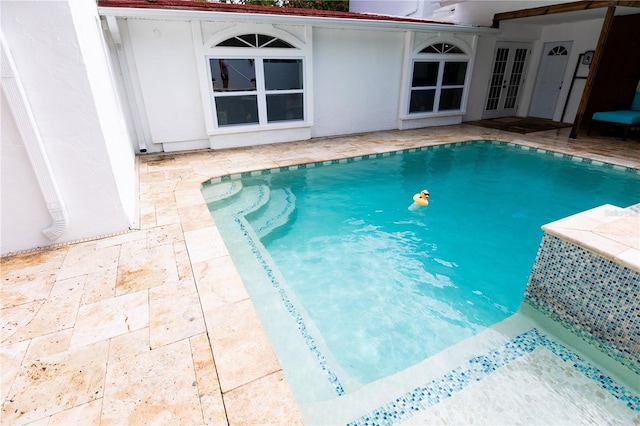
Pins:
<point x="635" y="105"/>
<point x="621" y="117"/>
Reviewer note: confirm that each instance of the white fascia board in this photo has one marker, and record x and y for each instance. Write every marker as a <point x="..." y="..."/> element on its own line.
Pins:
<point x="123" y="12"/>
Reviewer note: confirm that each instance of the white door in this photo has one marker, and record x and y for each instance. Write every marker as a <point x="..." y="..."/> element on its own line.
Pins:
<point x="546" y="92"/>
<point x="507" y="77"/>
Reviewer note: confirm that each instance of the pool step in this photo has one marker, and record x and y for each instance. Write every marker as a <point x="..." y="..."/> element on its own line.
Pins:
<point x="221" y="191"/>
<point x="265" y="209"/>
<point x="251" y="200"/>
<point x="275" y="213"/>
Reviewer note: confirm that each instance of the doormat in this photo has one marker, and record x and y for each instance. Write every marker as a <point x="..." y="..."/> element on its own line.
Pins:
<point x="520" y="125"/>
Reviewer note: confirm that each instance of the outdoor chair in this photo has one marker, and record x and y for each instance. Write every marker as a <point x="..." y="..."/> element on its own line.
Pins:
<point x="628" y="118"/>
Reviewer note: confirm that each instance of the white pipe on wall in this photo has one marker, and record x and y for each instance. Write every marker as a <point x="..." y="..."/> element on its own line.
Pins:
<point x="112" y="26"/>
<point x="21" y="110"/>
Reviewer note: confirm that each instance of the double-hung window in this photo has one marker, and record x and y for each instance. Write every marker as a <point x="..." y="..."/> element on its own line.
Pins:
<point x="258" y="88"/>
<point x="438" y="79"/>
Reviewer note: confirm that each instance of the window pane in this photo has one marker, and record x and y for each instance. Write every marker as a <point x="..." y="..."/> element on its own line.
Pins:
<point x="450" y="99"/>
<point x="285" y="107"/>
<point x="229" y="75"/>
<point x="262" y="39"/>
<point x="233" y="42"/>
<point x="454" y="73"/>
<point x="250" y="39"/>
<point x="277" y="43"/>
<point x="283" y="74"/>
<point x="425" y="74"/>
<point x="237" y="110"/>
<point x="422" y="100"/>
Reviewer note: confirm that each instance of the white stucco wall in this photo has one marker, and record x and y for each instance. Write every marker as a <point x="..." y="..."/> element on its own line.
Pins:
<point x="480" y="77"/>
<point x="62" y="64"/>
<point x="23" y="211"/>
<point x="357" y="78"/>
<point x="167" y="76"/>
<point x="355" y="88"/>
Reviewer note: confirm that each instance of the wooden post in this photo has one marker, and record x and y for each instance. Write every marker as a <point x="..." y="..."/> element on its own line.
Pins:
<point x="602" y="41"/>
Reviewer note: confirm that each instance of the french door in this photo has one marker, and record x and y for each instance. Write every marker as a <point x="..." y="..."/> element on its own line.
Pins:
<point x="507" y="77"/>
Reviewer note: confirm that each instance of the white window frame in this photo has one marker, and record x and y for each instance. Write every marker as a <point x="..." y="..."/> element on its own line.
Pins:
<point x="439" y="86"/>
<point x="441" y="59"/>
<point x="261" y="92"/>
<point x="298" y="37"/>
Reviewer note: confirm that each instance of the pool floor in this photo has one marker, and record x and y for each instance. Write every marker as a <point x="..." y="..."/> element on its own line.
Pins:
<point x="155" y="326"/>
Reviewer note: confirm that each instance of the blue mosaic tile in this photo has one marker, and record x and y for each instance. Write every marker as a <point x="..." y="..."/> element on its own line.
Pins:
<point x="593" y="297"/>
<point x="480" y="367"/>
<point x="238" y="218"/>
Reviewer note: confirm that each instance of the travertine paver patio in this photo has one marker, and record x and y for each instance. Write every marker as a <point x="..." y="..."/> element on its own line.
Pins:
<point x="154" y="325"/>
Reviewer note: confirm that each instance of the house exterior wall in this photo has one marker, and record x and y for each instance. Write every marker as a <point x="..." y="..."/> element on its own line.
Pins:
<point x="63" y="66"/>
<point x="168" y="79"/>
<point x="357" y="80"/>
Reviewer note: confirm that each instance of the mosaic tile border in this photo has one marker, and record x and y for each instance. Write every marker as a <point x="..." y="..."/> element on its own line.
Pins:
<point x="238" y="218"/>
<point x="347" y="160"/>
<point x="567" y="280"/>
<point x="480" y="367"/>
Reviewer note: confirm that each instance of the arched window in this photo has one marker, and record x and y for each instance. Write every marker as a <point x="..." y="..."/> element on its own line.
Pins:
<point x="258" y="87"/>
<point x="255" y="40"/>
<point x="442" y="48"/>
<point x="558" y="51"/>
<point x="438" y="79"/>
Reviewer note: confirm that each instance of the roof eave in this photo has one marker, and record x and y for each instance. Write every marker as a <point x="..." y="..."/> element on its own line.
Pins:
<point x="131" y="12"/>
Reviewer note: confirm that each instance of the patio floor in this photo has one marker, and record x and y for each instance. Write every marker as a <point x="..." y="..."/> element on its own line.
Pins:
<point x="154" y="325"/>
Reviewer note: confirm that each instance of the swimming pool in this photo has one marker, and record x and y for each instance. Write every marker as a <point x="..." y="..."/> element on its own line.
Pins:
<point x="438" y="257"/>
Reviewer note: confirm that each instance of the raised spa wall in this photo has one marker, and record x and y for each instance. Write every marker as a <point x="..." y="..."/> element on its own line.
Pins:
<point x="586" y="276"/>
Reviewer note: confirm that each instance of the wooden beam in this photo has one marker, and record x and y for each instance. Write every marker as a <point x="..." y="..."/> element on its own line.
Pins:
<point x="561" y="8"/>
<point x="593" y="70"/>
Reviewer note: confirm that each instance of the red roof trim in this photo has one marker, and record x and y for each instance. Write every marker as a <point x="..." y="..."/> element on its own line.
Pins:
<point x="242" y="8"/>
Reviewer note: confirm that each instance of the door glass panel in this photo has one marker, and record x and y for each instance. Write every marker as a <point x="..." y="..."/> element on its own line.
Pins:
<point x="422" y="100"/>
<point x="233" y="75"/>
<point x="517" y="70"/>
<point x="283" y="74"/>
<point x="425" y="74"/>
<point x="237" y="110"/>
<point x="285" y="107"/>
<point x="497" y="77"/>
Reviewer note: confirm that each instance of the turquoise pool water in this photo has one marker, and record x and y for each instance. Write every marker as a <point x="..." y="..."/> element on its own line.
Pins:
<point x="381" y="287"/>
